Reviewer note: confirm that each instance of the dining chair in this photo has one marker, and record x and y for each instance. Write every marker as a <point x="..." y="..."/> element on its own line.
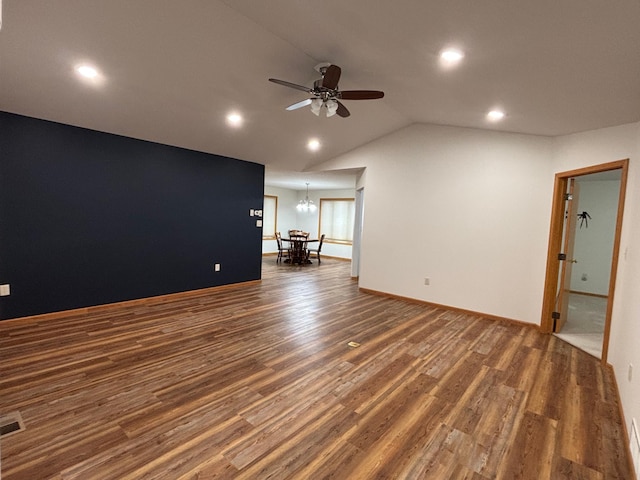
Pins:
<point x="281" y="250"/>
<point x="316" y="251"/>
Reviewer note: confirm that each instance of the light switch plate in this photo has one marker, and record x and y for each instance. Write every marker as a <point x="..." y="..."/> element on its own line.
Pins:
<point x="5" y="290"/>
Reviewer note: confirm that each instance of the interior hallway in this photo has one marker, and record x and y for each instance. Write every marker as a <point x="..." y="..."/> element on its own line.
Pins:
<point x="585" y="323"/>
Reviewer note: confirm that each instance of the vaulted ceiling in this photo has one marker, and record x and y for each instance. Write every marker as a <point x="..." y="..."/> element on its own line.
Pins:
<point x="170" y="72"/>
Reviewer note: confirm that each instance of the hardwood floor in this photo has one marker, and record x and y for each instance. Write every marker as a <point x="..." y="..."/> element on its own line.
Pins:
<point x="258" y="382"/>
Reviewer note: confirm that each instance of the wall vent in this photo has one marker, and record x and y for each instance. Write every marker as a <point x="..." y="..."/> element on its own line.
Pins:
<point x="11" y="423"/>
<point x="634" y="446"/>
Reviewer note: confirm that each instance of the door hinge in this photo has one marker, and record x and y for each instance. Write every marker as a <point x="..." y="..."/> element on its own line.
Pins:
<point x="562" y="256"/>
<point x="568" y="196"/>
<point x="555" y="316"/>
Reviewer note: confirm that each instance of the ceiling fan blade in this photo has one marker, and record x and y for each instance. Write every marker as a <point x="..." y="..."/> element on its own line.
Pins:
<point x="291" y="85"/>
<point x="360" y="94"/>
<point x="331" y="77"/>
<point x="342" y="110"/>
<point x="301" y="104"/>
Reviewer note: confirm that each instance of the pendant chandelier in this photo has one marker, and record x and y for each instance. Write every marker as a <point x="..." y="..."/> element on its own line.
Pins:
<point x="306" y="205"/>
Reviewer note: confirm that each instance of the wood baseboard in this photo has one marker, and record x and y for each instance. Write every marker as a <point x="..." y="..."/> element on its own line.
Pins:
<point x="322" y="255"/>
<point x="129" y="303"/>
<point x="625" y="430"/>
<point x="448" y="307"/>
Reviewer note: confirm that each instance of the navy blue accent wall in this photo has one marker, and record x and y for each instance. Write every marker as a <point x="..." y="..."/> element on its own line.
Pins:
<point x="89" y="218"/>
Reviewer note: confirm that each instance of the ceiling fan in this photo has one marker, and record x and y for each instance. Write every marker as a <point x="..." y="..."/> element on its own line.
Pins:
<point x="325" y="92"/>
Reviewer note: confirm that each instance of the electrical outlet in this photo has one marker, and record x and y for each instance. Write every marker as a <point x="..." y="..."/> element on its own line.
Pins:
<point x="427" y="281"/>
<point x="216" y="267"/>
<point x="5" y="290"/>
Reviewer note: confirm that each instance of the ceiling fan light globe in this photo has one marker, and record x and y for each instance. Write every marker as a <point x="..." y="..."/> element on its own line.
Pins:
<point x="316" y="105"/>
<point x="332" y="107"/>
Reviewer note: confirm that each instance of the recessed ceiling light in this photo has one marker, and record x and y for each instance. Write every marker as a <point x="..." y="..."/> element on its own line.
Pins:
<point x="87" y="71"/>
<point x="495" y="115"/>
<point x="451" y="56"/>
<point x="313" y="145"/>
<point x="234" y="119"/>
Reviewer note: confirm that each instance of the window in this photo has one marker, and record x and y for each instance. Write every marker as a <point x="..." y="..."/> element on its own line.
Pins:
<point x="269" y="217"/>
<point x="337" y="217"/>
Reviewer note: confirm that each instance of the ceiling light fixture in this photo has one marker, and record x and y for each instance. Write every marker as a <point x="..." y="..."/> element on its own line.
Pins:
<point x="306" y="205"/>
<point x="330" y="104"/>
<point x="234" y="119"/>
<point x="332" y="107"/>
<point x="313" y="145"/>
<point x="87" y="71"/>
<point x="316" y="105"/>
<point x="451" y="56"/>
<point x="495" y="115"/>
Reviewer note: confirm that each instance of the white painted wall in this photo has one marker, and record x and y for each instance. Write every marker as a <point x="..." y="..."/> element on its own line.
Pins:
<point x="601" y="146"/>
<point x="471" y="210"/>
<point x="467" y="208"/>
<point x="289" y="217"/>
<point x="594" y="238"/>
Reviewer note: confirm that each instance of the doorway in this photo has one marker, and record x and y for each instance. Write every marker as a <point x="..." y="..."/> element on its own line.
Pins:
<point x="581" y="266"/>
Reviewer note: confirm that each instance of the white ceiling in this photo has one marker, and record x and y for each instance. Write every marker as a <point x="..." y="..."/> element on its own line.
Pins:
<point x="173" y="70"/>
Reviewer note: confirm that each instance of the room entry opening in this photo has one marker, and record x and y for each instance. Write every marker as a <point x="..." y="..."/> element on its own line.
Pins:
<point x="583" y="255"/>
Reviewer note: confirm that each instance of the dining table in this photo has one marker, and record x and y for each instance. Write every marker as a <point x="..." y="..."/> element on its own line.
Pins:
<point x="298" y="253"/>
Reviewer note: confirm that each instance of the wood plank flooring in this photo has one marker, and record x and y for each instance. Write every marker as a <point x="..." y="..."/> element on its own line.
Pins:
<point x="258" y="383"/>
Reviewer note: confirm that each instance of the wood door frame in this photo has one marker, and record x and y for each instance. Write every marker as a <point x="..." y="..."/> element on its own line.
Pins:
<point x="555" y="244"/>
<point x="571" y="203"/>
